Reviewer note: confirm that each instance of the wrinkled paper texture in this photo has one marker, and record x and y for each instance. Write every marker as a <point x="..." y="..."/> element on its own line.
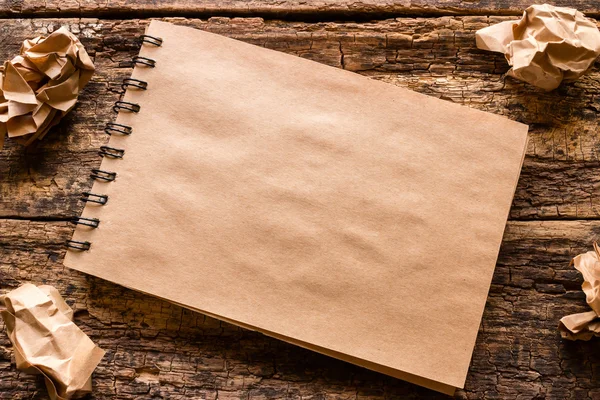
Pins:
<point x="585" y="325"/>
<point x="45" y="340"/>
<point x="547" y="46"/>
<point x="40" y="85"/>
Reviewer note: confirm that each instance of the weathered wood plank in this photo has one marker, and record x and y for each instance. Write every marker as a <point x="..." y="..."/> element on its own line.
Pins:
<point x="292" y="9"/>
<point x="434" y="56"/>
<point x="157" y="349"/>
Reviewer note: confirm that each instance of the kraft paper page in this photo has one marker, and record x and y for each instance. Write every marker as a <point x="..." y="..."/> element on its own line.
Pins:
<point x="307" y="202"/>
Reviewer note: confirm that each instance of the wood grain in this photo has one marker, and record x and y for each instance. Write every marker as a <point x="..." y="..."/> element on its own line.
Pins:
<point x="158" y="349"/>
<point x="434" y="56"/>
<point x="277" y="9"/>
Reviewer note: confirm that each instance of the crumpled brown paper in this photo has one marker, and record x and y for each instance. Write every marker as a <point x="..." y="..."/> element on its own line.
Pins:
<point x="39" y="325"/>
<point x="585" y="325"/>
<point x="41" y="85"/>
<point x="548" y="45"/>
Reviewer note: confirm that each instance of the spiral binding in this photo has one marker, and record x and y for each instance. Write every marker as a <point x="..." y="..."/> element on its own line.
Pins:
<point x="143" y="61"/>
<point x="112" y="152"/>
<point x="107" y="176"/>
<point x="77" y="245"/>
<point x="136" y="83"/>
<point x="126" y="106"/>
<point x="112" y="127"/>
<point x="91" y="222"/>
<point x="88" y="197"/>
<point x="153" y="40"/>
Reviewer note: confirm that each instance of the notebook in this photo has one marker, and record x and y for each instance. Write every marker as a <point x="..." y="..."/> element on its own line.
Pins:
<point x="335" y="212"/>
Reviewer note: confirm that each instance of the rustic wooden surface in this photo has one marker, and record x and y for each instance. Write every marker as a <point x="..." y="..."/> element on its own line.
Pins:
<point x="157" y="350"/>
<point x="281" y="9"/>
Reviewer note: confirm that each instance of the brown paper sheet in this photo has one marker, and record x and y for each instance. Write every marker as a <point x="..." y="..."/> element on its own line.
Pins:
<point x="41" y="85"/>
<point x="584" y="326"/>
<point x="46" y="341"/>
<point x="547" y="46"/>
<point x="307" y="202"/>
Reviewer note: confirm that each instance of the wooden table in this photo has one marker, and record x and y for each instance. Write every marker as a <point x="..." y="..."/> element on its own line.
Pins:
<point x="157" y="350"/>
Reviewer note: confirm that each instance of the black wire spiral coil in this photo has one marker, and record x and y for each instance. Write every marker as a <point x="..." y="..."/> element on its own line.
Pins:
<point x="121" y="129"/>
<point x="143" y="61"/>
<point x="78" y="245"/>
<point x="126" y="106"/>
<point x="112" y="152"/>
<point x="153" y="40"/>
<point x="91" y="222"/>
<point x="88" y="197"/>
<point x="134" y="83"/>
<point x="102" y="175"/>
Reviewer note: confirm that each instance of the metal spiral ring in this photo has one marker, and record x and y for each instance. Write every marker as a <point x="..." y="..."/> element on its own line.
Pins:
<point x="112" y="152"/>
<point x="153" y="40"/>
<point x="101" y="199"/>
<point x="91" y="222"/>
<point x="77" y="245"/>
<point x="113" y="127"/>
<point x="126" y="106"/>
<point x="103" y="175"/>
<point x="136" y="83"/>
<point x="139" y="60"/>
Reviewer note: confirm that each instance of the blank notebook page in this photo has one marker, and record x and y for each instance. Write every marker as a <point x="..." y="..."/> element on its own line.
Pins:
<point x="339" y="213"/>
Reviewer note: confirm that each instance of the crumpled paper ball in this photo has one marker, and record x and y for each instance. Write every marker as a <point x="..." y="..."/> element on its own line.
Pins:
<point x="40" y="85"/>
<point x="39" y="324"/>
<point x="547" y="46"/>
<point x="584" y="326"/>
